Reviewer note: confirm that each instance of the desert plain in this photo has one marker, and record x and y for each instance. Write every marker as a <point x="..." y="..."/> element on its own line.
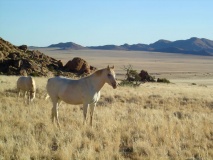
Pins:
<point x="153" y="121"/>
<point x="178" y="68"/>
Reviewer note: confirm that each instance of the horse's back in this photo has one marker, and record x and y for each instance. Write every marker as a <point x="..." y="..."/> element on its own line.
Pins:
<point x="55" y="84"/>
<point x="65" y="89"/>
<point x="25" y="83"/>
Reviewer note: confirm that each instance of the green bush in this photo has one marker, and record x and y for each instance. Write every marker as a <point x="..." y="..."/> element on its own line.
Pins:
<point x="163" y="80"/>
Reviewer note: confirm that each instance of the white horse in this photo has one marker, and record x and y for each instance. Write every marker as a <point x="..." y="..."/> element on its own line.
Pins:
<point x="84" y="91"/>
<point x="26" y="84"/>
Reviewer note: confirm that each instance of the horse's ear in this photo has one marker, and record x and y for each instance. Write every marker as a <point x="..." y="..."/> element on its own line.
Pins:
<point x="108" y="67"/>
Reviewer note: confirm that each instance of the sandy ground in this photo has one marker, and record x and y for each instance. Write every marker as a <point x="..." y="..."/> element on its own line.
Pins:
<point x="178" y="68"/>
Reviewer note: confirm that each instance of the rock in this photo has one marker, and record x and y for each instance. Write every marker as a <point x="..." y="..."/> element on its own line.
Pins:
<point x="23" y="72"/>
<point x="92" y="68"/>
<point x="77" y="65"/>
<point x="14" y="55"/>
<point x="23" y="47"/>
<point x="145" y="77"/>
<point x="60" y="64"/>
<point x="1" y="55"/>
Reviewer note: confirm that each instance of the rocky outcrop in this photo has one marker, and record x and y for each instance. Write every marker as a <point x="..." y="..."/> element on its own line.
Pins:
<point x="18" y="60"/>
<point x="23" y="47"/>
<point x="21" y="61"/>
<point x="79" y="66"/>
<point x="145" y="77"/>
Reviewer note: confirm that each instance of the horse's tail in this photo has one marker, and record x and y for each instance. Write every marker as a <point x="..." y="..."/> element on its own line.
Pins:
<point x="47" y="88"/>
<point x="47" y="96"/>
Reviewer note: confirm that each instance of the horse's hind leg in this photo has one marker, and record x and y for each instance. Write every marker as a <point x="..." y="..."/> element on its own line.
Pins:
<point x="57" y="108"/>
<point x="28" y="97"/>
<point x="25" y="92"/>
<point x="55" y="112"/>
<point x="18" y="93"/>
<point x="85" y="106"/>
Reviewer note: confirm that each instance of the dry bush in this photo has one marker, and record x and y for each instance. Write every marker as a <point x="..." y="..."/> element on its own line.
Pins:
<point x="153" y="121"/>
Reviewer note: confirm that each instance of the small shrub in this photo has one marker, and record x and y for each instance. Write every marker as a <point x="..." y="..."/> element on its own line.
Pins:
<point x="163" y="80"/>
<point x="132" y="77"/>
<point x="130" y="83"/>
<point x="34" y="74"/>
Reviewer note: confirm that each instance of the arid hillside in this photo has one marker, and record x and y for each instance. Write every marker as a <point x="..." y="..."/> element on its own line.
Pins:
<point x="153" y="121"/>
<point x="16" y="60"/>
<point x="19" y="60"/>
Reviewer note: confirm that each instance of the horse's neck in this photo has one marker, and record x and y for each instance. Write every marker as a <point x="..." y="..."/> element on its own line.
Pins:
<point x="97" y="82"/>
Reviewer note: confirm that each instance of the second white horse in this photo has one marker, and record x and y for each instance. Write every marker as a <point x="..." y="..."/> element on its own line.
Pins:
<point x="28" y="86"/>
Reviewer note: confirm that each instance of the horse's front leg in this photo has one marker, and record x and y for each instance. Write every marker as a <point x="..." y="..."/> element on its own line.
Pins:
<point x="28" y="97"/>
<point x="24" y="97"/>
<point x="25" y="93"/>
<point x="92" y="107"/>
<point x="85" y="106"/>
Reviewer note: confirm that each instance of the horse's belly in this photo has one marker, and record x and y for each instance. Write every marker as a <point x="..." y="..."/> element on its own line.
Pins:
<point x="71" y="99"/>
<point x="71" y="95"/>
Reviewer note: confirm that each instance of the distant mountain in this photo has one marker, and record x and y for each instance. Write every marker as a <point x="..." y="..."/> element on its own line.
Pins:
<point x="190" y="46"/>
<point x="160" y="44"/>
<point x="136" y="47"/>
<point x="67" y="45"/>
<point x="107" y="47"/>
<point x="196" y="46"/>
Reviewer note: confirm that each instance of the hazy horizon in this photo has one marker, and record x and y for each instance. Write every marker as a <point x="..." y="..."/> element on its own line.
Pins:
<point x="120" y="44"/>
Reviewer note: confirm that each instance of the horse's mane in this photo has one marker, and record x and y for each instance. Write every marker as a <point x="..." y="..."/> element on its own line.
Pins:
<point x="99" y="72"/>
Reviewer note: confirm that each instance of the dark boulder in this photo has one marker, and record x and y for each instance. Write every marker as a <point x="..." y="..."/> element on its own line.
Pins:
<point x="77" y="65"/>
<point x="145" y="77"/>
<point x="23" y="48"/>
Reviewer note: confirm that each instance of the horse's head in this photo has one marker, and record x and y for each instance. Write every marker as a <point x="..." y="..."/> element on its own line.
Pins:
<point x="110" y="76"/>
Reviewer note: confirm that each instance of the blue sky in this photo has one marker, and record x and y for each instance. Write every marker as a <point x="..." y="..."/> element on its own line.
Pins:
<point x="101" y="22"/>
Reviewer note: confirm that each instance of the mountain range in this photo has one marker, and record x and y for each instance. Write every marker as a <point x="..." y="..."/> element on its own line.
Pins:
<point x="194" y="45"/>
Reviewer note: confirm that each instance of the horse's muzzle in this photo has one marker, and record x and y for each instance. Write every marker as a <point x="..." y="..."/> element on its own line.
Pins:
<point x="114" y="85"/>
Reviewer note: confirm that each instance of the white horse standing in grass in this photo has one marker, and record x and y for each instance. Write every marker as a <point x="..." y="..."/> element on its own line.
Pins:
<point x="84" y="91"/>
<point x="28" y="86"/>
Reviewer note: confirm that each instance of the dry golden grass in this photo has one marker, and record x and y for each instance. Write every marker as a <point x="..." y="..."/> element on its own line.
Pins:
<point x="153" y="121"/>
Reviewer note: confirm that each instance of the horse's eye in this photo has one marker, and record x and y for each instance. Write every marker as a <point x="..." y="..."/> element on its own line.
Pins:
<point x="109" y="75"/>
